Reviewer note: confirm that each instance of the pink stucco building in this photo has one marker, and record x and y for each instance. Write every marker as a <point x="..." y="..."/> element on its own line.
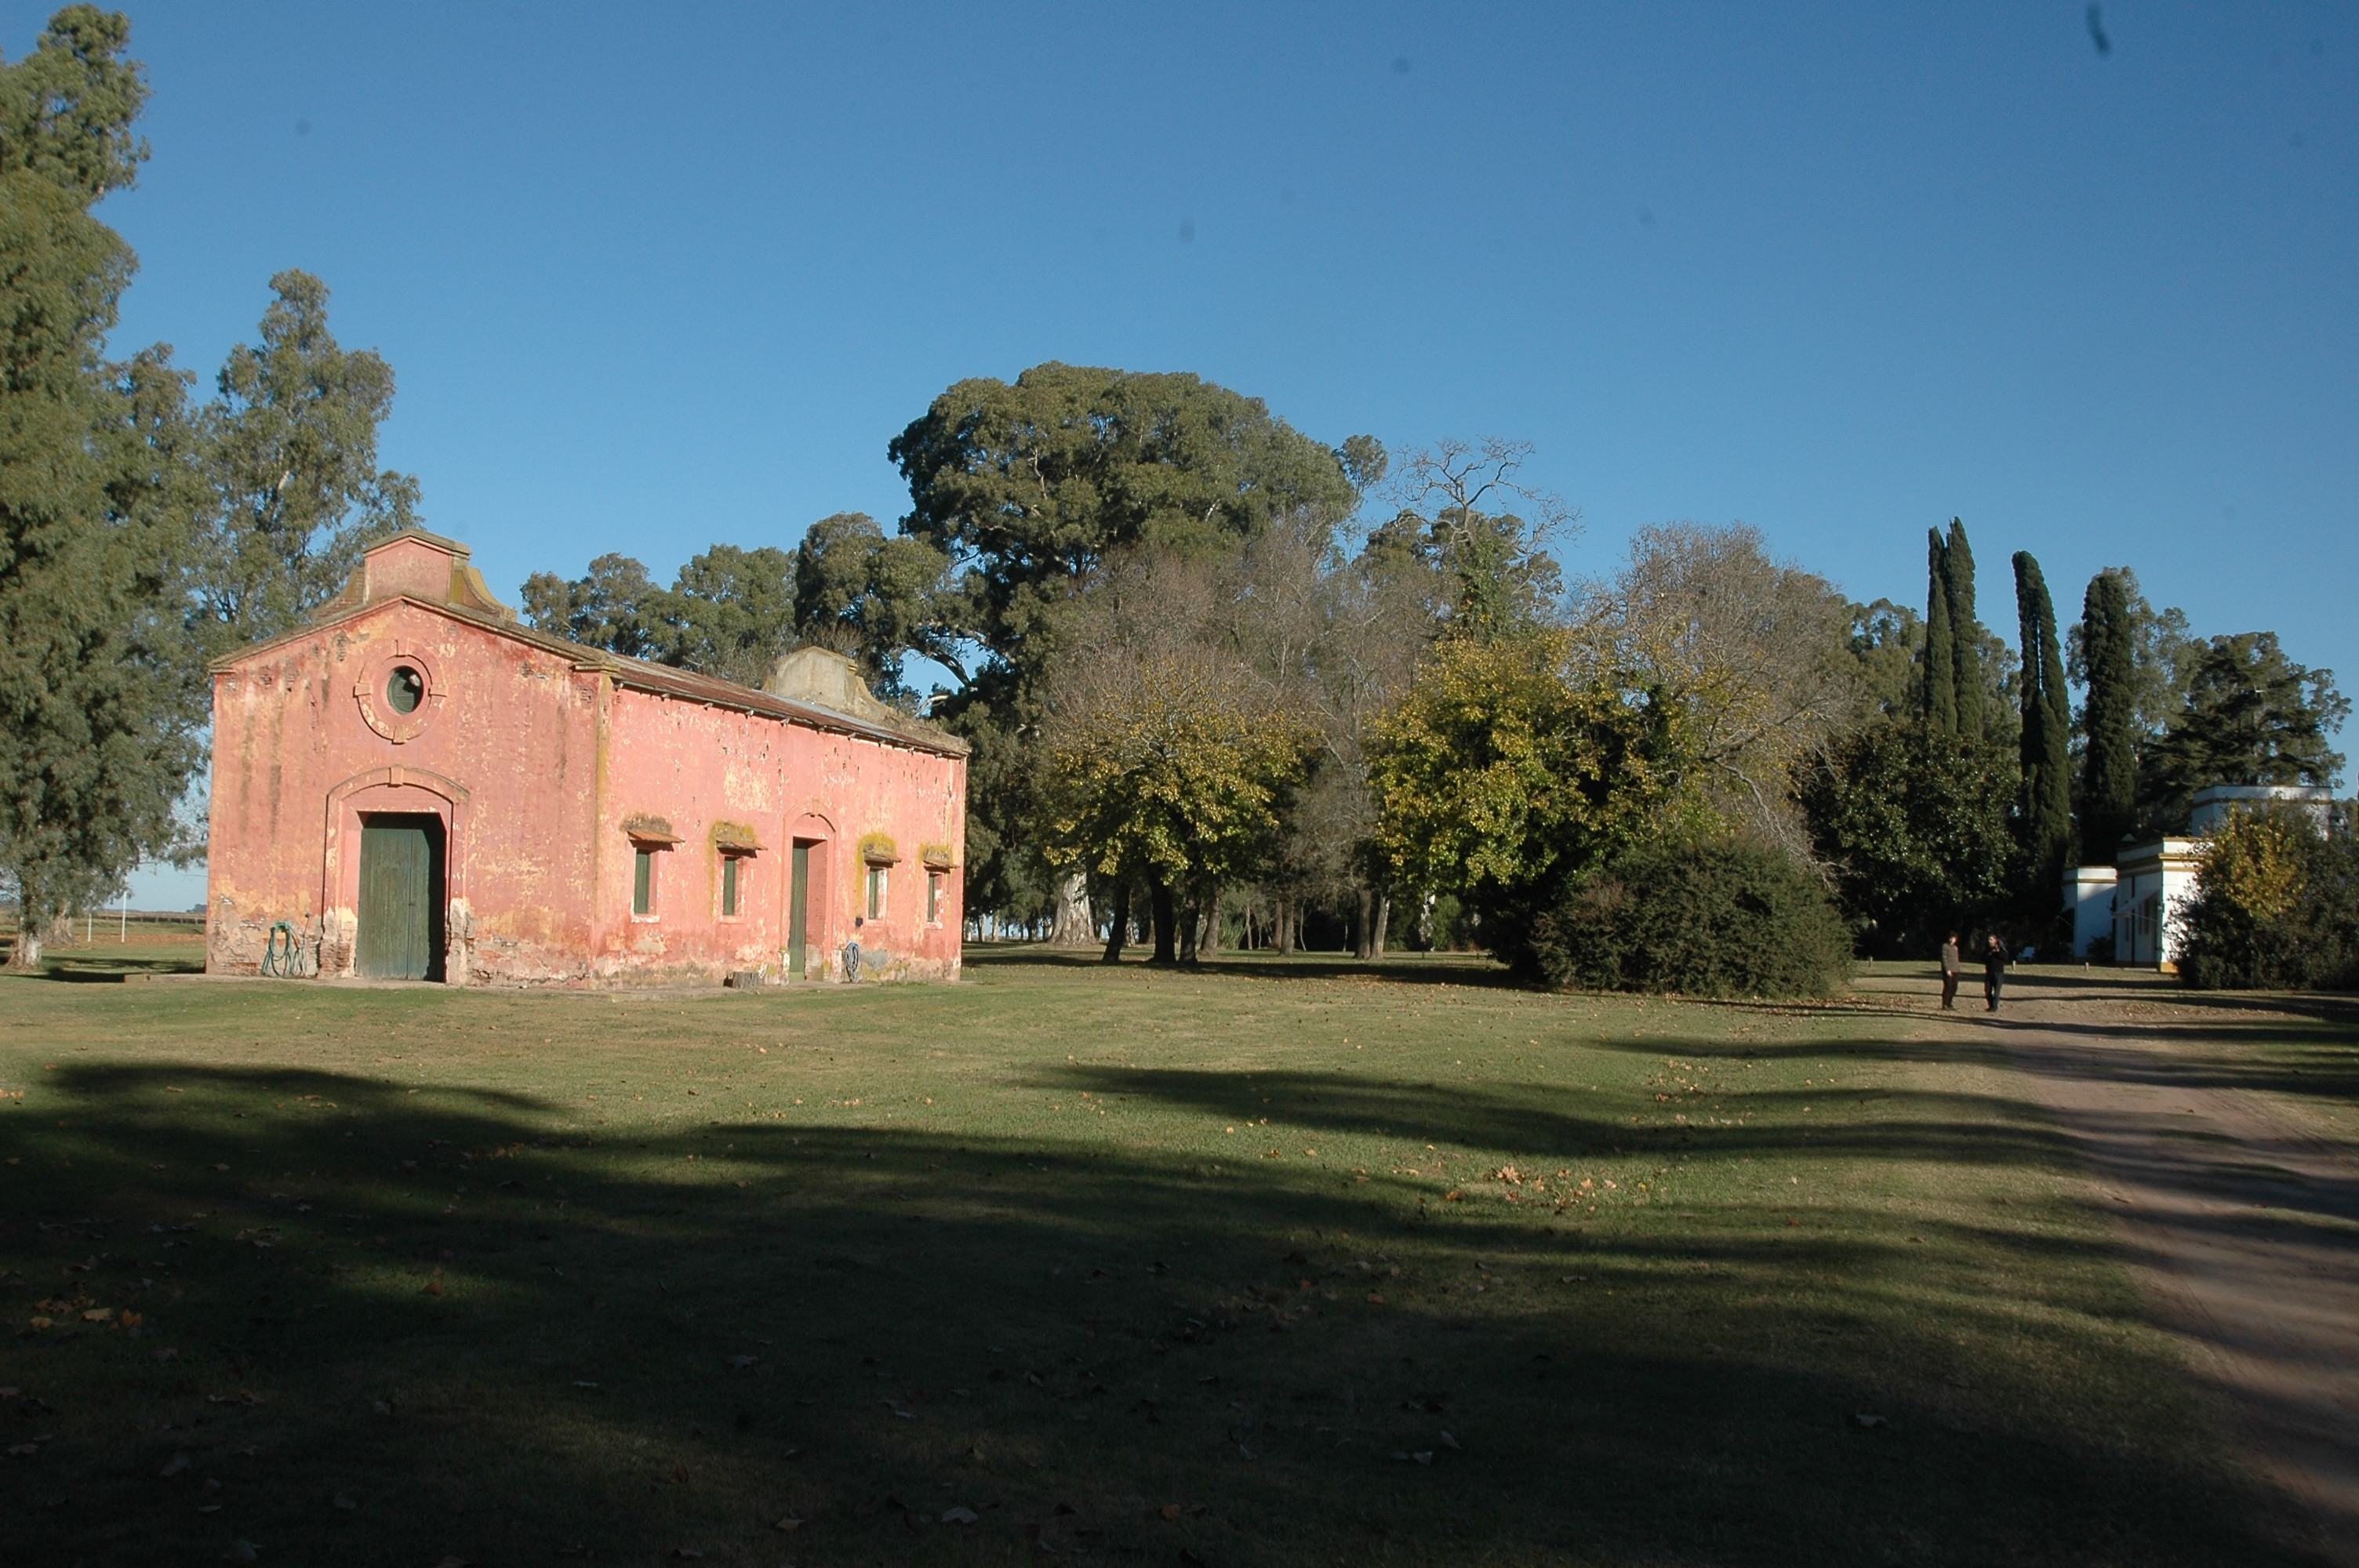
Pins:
<point x="416" y="786"/>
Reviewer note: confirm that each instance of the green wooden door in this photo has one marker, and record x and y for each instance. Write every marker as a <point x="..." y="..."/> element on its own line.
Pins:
<point x="400" y="892"/>
<point x="797" y="917"/>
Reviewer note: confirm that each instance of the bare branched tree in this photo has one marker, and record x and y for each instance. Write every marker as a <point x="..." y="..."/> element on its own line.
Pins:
<point x="1754" y="652"/>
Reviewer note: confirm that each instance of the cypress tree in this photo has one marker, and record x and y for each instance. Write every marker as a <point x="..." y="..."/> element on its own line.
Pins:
<point x="99" y="702"/>
<point x="2109" y="767"/>
<point x="1940" y="691"/>
<point x="1965" y="631"/>
<point x="2047" y="734"/>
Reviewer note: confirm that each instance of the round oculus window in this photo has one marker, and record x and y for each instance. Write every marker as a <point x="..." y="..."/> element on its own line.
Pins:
<point x="405" y="688"/>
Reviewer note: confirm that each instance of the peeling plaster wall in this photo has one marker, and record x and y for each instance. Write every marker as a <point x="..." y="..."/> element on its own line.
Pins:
<point x="534" y="766"/>
<point x="703" y="770"/>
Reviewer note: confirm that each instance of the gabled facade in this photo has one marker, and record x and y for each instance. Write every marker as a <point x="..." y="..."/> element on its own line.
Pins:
<point x="416" y="786"/>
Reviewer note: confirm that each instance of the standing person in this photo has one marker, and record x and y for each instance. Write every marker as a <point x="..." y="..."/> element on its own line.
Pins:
<point x="1993" y="970"/>
<point x="1954" y="964"/>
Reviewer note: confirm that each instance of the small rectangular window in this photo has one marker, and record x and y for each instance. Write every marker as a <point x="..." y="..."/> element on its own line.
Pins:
<point x="643" y="880"/>
<point x="875" y="893"/>
<point x="933" y="898"/>
<point x="729" y="887"/>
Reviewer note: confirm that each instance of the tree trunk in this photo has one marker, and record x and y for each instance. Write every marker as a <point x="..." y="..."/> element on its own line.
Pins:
<point x="27" y="952"/>
<point x="1208" y="934"/>
<point x="1384" y="922"/>
<point x="1363" y="925"/>
<point x="1284" y="939"/>
<point x="1166" y="923"/>
<point x="1071" y="926"/>
<point x="1120" y="931"/>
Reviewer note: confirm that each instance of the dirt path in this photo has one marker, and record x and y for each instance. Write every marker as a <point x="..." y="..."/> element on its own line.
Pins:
<point x="2241" y="1225"/>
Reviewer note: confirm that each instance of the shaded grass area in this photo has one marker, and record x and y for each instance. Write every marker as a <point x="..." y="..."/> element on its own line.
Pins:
<point x="1282" y="1264"/>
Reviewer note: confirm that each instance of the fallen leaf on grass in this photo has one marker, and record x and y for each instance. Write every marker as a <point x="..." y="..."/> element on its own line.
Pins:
<point x="680" y="1475"/>
<point x="1169" y="1510"/>
<point x="790" y="1524"/>
<point x="433" y="1287"/>
<point x="174" y="1465"/>
<point x="24" y="1449"/>
<point x="1448" y="1441"/>
<point x="1374" y="1300"/>
<point x="961" y="1516"/>
<point x="1453" y="1195"/>
<point x="1869" y="1421"/>
<point x="98" y="1315"/>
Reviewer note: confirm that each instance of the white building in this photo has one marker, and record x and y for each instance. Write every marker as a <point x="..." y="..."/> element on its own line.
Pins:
<point x="2210" y="807"/>
<point x="2088" y="901"/>
<point x="2149" y="882"/>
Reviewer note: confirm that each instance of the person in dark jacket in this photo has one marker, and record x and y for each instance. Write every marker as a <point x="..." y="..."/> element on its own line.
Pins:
<point x="1995" y="961"/>
<point x="1954" y="964"/>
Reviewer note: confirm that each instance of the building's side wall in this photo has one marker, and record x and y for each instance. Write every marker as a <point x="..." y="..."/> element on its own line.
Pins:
<point x="504" y="754"/>
<point x="714" y="777"/>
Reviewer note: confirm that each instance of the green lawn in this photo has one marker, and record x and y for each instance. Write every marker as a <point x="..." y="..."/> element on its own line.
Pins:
<point x="1287" y="1262"/>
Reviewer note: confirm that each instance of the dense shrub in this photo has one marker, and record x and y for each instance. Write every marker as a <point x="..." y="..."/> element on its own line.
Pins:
<point x="2276" y="908"/>
<point x="1718" y="919"/>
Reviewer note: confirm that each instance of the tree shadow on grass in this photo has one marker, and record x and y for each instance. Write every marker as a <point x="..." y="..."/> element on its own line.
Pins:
<point x="499" y="1336"/>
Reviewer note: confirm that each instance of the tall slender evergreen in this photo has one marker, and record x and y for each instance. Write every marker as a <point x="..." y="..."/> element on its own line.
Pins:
<point x="1940" y="688"/>
<point x="2109" y="766"/>
<point x="2046" y="738"/>
<point x="1965" y="631"/>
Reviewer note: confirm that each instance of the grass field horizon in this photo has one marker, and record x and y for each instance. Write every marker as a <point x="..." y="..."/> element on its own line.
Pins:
<point x="1284" y="1261"/>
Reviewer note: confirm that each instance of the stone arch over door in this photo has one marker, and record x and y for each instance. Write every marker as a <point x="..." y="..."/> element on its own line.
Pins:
<point x="401" y="791"/>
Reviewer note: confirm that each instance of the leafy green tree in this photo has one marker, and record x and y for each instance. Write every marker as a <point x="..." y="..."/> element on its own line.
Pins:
<point x="1031" y="485"/>
<point x="1027" y="488"/>
<point x="1165" y="765"/>
<point x="1915" y="824"/>
<point x="2045" y="743"/>
<point x="2275" y="906"/>
<point x="875" y="598"/>
<point x="2251" y="717"/>
<point x="1888" y="644"/>
<point x="289" y="454"/>
<point x="1506" y="770"/>
<point x="612" y="606"/>
<point x="731" y="612"/>
<point x="100" y="702"/>
<point x="2108" y="647"/>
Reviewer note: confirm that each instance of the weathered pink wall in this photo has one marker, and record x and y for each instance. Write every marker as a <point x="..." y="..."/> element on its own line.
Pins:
<point x="534" y="763"/>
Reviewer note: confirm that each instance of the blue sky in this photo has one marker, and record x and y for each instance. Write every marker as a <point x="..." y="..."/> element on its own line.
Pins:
<point x="652" y="278"/>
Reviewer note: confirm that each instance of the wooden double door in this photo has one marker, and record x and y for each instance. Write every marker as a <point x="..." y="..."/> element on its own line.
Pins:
<point x="401" y="896"/>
